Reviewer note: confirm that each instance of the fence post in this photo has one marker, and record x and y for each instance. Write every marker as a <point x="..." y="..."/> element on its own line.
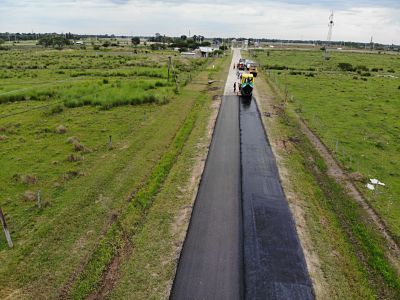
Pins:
<point x="6" y="232"/>
<point x="110" y="142"/>
<point x="39" y="200"/>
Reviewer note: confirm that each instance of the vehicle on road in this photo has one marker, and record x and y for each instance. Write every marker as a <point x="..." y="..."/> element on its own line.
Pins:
<point x="251" y="67"/>
<point x="246" y="85"/>
<point x="242" y="64"/>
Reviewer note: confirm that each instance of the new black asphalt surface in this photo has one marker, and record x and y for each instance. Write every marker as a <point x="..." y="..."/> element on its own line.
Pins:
<point x="211" y="263"/>
<point x="274" y="263"/>
<point x="242" y="240"/>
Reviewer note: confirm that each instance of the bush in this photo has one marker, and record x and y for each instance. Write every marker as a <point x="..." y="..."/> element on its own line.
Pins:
<point x="61" y="129"/>
<point x="391" y="71"/>
<point x="276" y="67"/>
<point x="362" y="68"/>
<point x="345" y="67"/>
<point x="56" y="109"/>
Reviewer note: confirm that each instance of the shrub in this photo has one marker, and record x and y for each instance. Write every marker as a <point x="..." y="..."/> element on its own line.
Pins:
<point x="56" y="109"/>
<point x="72" y="140"/>
<point x="74" y="158"/>
<point x="30" y="196"/>
<point x="391" y="71"/>
<point x="29" y="179"/>
<point x="61" y="129"/>
<point x="78" y="146"/>
<point x="362" y="68"/>
<point x="346" y="67"/>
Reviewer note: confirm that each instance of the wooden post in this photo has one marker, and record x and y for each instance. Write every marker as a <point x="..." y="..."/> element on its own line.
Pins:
<point x="110" y="142"/>
<point x="6" y="232"/>
<point x="169" y="65"/>
<point x="39" y="200"/>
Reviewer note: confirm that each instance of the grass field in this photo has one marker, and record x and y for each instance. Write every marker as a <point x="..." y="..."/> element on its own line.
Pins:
<point x="355" y="113"/>
<point x="58" y="110"/>
<point x="351" y="253"/>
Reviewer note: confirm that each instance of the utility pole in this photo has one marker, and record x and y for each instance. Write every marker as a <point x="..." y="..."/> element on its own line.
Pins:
<point x="329" y="37"/>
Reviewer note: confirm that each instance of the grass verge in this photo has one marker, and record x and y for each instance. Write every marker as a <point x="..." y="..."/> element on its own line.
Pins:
<point x="346" y="253"/>
<point x="134" y="217"/>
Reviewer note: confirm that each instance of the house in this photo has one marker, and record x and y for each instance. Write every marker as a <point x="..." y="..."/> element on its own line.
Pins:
<point x="206" y="51"/>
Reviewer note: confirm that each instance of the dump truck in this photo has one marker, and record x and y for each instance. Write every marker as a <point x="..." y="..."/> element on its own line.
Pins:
<point x="251" y="67"/>
<point x="241" y="64"/>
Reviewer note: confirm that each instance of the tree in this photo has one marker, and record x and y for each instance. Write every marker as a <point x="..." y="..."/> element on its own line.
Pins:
<point x="183" y="37"/>
<point x="1" y="41"/>
<point x="135" y="41"/>
<point x="107" y="44"/>
<point x="55" y="41"/>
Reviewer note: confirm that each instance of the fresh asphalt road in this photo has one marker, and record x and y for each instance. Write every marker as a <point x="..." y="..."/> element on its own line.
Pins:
<point x="241" y="241"/>
<point x="275" y="267"/>
<point x="211" y="264"/>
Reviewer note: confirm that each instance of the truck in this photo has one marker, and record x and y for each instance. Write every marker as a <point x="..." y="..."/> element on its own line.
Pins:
<point x="251" y="67"/>
<point x="241" y="64"/>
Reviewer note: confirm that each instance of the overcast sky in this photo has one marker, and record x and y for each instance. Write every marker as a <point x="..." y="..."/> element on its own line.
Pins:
<point x="356" y="20"/>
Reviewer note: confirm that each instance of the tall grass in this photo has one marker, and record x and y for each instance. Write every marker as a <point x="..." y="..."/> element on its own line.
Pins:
<point x="118" y="94"/>
<point x="34" y="95"/>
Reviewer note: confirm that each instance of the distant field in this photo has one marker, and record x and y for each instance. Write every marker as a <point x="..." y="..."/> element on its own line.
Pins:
<point x="354" y="112"/>
<point x="58" y="110"/>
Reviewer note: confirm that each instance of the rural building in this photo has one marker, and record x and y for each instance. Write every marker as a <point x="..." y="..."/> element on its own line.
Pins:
<point x="205" y="51"/>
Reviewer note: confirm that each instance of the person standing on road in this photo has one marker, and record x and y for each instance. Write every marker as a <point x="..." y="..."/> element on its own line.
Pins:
<point x="234" y="87"/>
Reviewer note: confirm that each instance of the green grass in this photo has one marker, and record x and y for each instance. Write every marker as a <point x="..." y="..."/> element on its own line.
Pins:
<point x="350" y="249"/>
<point x="80" y="198"/>
<point x="148" y="272"/>
<point x="355" y="116"/>
<point x="134" y="217"/>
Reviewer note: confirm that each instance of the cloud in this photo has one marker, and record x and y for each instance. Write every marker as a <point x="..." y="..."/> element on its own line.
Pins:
<point x="290" y="19"/>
